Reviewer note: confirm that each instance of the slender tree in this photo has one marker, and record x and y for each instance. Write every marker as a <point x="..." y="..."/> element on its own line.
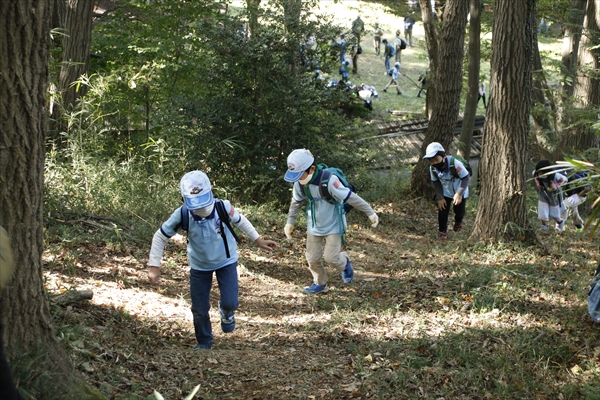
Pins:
<point x="473" y="81"/>
<point x="24" y="52"/>
<point x="502" y="210"/>
<point x="76" y="56"/>
<point x="445" y="46"/>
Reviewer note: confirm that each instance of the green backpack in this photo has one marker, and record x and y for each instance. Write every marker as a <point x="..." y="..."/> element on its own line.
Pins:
<point x="463" y="161"/>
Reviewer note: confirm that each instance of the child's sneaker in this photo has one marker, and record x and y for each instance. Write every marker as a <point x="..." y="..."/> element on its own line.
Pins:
<point x="544" y="228"/>
<point x="443" y="235"/>
<point x="227" y="320"/>
<point x="348" y="273"/>
<point x="578" y="228"/>
<point x="314" y="289"/>
<point x="457" y="227"/>
<point x="560" y="226"/>
<point x="202" y="347"/>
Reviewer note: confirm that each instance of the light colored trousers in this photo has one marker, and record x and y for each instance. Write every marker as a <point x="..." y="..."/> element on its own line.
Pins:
<point x="331" y="253"/>
<point x="572" y="202"/>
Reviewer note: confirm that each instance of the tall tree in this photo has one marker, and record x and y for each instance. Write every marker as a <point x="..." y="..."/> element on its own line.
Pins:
<point x="76" y="57"/>
<point x="473" y="81"/>
<point x="24" y="52"/>
<point x="502" y="210"/>
<point x="586" y="89"/>
<point x="571" y="44"/>
<point x="445" y="46"/>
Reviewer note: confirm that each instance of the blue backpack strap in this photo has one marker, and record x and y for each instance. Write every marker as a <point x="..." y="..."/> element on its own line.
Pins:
<point x="185" y="218"/>
<point x="324" y="185"/>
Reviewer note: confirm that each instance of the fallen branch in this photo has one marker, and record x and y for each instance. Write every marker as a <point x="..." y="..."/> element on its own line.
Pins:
<point x="72" y="296"/>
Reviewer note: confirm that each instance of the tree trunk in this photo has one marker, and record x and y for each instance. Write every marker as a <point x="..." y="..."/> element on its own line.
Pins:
<point x="443" y="90"/>
<point x="544" y="109"/>
<point x="586" y="90"/>
<point x="502" y="210"/>
<point x="464" y="149"/>
<point x="24" y="45"/>
<point x="571" y="45"/>
<point x="75" y="60"/>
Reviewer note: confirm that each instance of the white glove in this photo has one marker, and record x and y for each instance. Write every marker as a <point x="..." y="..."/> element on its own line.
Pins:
<point x="289" y="228"/>
<point x="374" y="220"/>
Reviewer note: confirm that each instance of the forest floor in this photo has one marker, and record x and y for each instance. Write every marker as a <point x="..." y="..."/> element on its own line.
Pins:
<point x="423" y="318"/>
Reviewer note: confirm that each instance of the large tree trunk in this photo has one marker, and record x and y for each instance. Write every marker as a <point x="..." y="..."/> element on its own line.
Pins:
<point x="444" y="88"/>
<point x="473" y="81"/>
<point x="586" y="90"/>
<point x="24" y="46"/>
<point x="502" y="211"/>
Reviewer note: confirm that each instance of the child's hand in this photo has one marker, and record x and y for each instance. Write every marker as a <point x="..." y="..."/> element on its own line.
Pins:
<point x="457" y="199"/>
<point x="154" y="275"/>
<point x="266" y="244"/>
<point x="442" y="204"/>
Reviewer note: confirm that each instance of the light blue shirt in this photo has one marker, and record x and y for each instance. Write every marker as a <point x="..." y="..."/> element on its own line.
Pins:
<point x="327" y="221"/>
<point x="205" y="248"/>
<point x="450" y="183"/>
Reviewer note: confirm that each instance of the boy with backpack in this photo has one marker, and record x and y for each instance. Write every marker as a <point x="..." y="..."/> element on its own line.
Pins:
<point x="329" y="198"/>
<point x="211" y="248"/>
<point x="450" y="176"/>
<point x="550" y="197"/>
<point x="400" y="45"/>
<point x="389" y="51"/>
<point x="395" y="75"/>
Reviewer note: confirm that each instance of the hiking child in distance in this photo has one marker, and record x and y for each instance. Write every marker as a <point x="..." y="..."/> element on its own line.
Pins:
<point x="326" y="217"/>
<point x="450" y="179"/>
<point x="211" y="248"/>
<point x="550" y="197"/>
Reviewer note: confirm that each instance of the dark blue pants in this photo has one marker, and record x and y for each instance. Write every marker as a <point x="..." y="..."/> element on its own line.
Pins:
<point x="200" y="285"/>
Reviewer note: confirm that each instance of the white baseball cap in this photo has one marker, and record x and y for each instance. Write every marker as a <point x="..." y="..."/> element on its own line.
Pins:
<point x="298" y="161"/>
<point x="432" y="149"/>
<point x="196" y="190"/>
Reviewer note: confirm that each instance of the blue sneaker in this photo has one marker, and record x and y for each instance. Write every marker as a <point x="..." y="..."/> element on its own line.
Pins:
<point x="202" y="347"/>
<point x="227" y="320"/>
<point x="348" y="273"/>
<point x="314" y="289"/>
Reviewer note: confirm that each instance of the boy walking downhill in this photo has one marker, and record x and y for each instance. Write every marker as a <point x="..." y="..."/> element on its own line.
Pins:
<point x="450" y="180"/>
<point x="211" y="248"/>
<point x="423" y="81"/>
<point x="550" y="197"/>
<point x="394" y="81"/>
<point x="326" y="225"/>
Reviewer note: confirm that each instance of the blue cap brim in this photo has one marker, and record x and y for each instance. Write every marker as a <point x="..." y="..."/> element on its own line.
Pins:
<point x="194" y="203"/>
<point x="291" y="176"/>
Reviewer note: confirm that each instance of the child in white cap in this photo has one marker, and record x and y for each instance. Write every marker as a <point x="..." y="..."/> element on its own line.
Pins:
<point x="209" y="252"/>
<point x="326" y="220"/>
<point x="451" y="186"/>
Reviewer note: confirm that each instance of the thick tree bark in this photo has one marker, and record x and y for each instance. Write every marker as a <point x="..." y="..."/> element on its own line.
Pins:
<point x="502" y="211"/>
<point x="24" y="311"/>
<point x="446" y="51"/>
<point x="586" y="90"/>
<point x="473" y="81"/>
